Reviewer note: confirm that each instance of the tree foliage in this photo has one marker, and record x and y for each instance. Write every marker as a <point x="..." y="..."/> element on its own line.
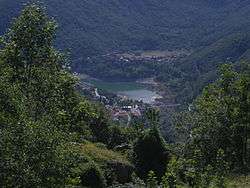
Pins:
<point x="39" y="106"/>
<point x="151" y="153"/>
<point x="44" y="123"/>
<point x="220" y="119"/>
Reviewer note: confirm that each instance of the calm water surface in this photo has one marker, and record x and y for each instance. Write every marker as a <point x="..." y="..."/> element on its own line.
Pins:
<point x="143" y="95"/>
<point x="131" y="90"/>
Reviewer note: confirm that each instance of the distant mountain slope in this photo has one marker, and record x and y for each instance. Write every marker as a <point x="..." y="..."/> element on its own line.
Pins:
<point x="228" y="49"/>
<point x="201" y="68"/>
<point x="217" y="31"/>
<point x="98" y="26"/>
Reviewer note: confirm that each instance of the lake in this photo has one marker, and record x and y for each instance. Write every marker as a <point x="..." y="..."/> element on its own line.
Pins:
<point x="131" y="90"/>
<point x="144" y="95"/>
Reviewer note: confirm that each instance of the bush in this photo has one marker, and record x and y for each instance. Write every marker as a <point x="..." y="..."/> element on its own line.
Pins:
<point x="151" y="181"/>
<point x="171" y="179"/>
<point x="92" y="176"/>
<point x="114" y="165"/>
<point x="117" y="136"/>
<point x="150" y="153"/>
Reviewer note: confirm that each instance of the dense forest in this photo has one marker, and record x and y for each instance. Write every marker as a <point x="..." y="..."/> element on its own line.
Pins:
<point x="52" y="136"/>
<point x="94" y="26"/>
<point x="215" y="31"/>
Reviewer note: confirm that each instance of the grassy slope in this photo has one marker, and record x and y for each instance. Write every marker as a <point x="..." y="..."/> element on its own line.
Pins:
<point x="101" y="155"/>
<point x="239" y="182"/>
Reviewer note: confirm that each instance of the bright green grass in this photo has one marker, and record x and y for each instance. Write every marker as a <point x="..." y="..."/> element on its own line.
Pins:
<point x="239" y="182"/>
<point x="101" y="154"/>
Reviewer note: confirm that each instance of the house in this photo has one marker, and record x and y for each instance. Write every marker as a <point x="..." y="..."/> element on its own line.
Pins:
<point x="127" y="108"/>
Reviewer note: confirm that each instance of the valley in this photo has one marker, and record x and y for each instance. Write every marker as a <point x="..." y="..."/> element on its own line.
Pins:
<point x="123" y="93"/>
<point x="132" y="75"/>
<point x="180" y="43"/>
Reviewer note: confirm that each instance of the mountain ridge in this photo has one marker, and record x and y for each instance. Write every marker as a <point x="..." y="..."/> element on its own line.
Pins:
<point x="96" y="27"/>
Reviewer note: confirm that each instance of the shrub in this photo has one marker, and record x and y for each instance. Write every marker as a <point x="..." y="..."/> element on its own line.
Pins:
<point x="92" y="176"/>
<point x="152" y="180"/>
<point x="170" y="179"/>
<point x="150" y="153"/>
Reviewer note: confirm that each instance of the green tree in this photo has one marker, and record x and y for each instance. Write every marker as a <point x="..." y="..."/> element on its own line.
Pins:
<point x="92" y="176"/>
<point x="150" y="153"/>
<point x="171" y="177"/>
<point x="152" y="180"/>
<point x="153" y="116"/>
<point x="220" y="120"/>
<point x="35" y="91"/>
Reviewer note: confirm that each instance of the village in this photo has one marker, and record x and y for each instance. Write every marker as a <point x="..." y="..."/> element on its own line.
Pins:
<point x="152" y="56"/>
<point x="121" y="109"/>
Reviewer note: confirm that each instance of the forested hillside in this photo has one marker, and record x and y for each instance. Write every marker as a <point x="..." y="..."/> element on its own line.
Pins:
<point x="52" y="136"/>
<point x="200" y="68"/>
<point x="215" y="31"/>
<point x="92" y="26"/>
